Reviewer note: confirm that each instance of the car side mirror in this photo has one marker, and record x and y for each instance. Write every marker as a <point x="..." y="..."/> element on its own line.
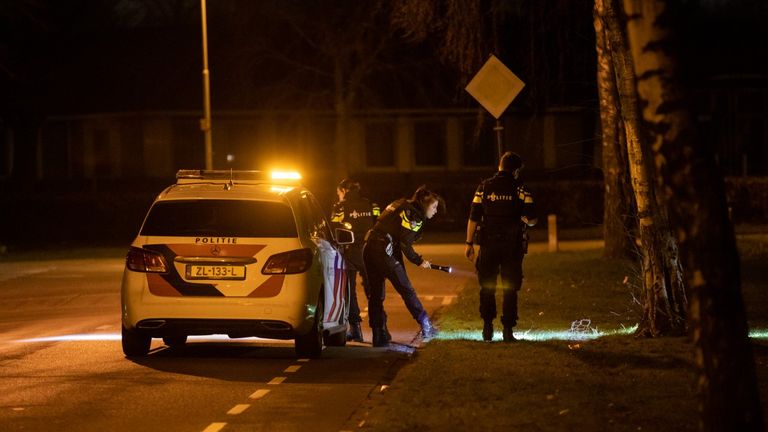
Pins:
<point x="344" y="236"/>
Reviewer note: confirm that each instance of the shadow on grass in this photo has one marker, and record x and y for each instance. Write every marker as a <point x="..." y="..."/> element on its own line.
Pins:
<point x="613" y="352"/>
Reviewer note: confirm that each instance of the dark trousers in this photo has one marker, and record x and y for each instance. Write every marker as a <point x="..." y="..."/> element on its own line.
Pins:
<point x="382" y="266"/>
<point x="505" y="258"/>
<point x="355" y="265"/>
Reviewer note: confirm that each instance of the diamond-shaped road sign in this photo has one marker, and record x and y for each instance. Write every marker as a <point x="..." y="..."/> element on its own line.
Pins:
<point x="495" y="86"/>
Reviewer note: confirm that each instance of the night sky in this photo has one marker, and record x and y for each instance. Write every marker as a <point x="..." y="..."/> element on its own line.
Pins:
<point x="86" y="56"/>
<point x="115" y="55"/>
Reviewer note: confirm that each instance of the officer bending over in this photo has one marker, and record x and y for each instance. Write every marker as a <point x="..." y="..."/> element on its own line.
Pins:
<point x="504" y="207"/>
<point x="398" y="227"/>
<point x="358" y="214"/>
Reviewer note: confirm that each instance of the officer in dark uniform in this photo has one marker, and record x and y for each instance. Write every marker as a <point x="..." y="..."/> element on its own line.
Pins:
<point x="358" y="214"/>
<point x="398" y="227"/>
<point x="503" y="207"/>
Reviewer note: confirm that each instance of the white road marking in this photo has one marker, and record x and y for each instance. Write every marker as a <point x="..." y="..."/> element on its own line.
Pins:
<point x="277" y="380"/>
<point x="363" y="314"/>
<point x="75" y="337"/>
<point x="292" y="369"/>
<point x="429" y="298"/>
<point x="302" y="360"/>
<point x="448" y="300"/>
<point x="214" y="427"/>
<point x="258" y="394"/>
<point x="12" y="271"/>
<point x="237" y="409"/>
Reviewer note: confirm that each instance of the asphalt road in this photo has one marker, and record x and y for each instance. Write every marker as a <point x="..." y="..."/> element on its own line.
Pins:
<point x="62" y="367"/>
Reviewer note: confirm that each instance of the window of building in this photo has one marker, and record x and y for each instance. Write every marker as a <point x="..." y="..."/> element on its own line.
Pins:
<point x="429" y="144"/>
<point x="132" y="148"/>
<point x="478" y="146"/>
<point x="380" y="144"/>
<point x="55" y="157"/>
<point x="188" y="144"/>
<point x="6" y="151"/>
<point x="102" y="166"/>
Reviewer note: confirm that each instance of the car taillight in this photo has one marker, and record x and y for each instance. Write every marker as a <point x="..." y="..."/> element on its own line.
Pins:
<point x="142" y="260"/>
<point x="295" y="261"/>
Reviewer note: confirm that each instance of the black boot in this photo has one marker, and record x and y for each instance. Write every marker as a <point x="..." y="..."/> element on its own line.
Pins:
<point x="380" y="337"/>
<point x="488" y="331"/>
<point x="428" y="331"/>
<point x="386" y="332"/>
<point x="355" y="333"/>
<point x="509" y="336"/>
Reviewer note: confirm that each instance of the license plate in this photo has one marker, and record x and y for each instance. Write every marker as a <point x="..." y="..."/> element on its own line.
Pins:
<point x="217" y="272"/>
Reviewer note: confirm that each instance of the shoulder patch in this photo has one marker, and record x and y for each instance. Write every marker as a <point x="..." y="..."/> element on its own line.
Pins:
<point x="338" y="216"/>
<point x="478" y="197"/>
<point x="409" y="224"/>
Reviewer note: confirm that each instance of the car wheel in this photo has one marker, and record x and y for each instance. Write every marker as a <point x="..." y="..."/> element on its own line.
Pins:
<point x="135" y="344"/>
<point x="338" y="339"/>
<point x="310" y="345"/>
<point x="175" y="341"/>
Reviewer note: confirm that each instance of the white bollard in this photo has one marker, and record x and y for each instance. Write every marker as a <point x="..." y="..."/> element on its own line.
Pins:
<point x="552" y="230"/>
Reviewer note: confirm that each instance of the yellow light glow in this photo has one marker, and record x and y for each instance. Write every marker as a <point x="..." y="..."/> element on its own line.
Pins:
<point x="280" y="189"/>
<point x="563" y="335"/>
<point x="285" y="175"/>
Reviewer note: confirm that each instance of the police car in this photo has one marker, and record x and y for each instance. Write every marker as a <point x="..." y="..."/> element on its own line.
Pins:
<point x="239" y="253"/>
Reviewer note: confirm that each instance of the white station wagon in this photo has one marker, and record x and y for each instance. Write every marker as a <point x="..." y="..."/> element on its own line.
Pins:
<point x="240" y="253"/>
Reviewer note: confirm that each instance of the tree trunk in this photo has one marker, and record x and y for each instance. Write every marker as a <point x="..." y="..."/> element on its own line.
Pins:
<point x="693" y="189"/>
<point x="618" y="226"/>
<point x="663" y="296"/>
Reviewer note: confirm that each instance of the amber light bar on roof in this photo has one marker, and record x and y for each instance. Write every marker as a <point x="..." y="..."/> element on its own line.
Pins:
<point x="285" y="175"/>
<point x="280" y="177"/>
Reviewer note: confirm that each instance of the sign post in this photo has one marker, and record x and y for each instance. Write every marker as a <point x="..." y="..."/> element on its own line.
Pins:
<point x="205" y="122"/>
<point x="495" y="87"/>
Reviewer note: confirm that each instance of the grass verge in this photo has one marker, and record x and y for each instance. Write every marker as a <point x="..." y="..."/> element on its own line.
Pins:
<point x="577" y="368"/>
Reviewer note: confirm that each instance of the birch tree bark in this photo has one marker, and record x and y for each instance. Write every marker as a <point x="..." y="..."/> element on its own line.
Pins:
<point x="691" y="186"/>
<point x="618" y="222"/>
<point x="664" y="302"/>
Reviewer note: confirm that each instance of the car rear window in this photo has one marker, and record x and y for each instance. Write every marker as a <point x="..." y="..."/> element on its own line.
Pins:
<point x="231" y="218"/>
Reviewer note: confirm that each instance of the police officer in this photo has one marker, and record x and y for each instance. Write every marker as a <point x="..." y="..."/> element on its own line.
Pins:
<point x="398" y="227"/>
<point x="358" y="214"/>
<point x="504" y="207"/>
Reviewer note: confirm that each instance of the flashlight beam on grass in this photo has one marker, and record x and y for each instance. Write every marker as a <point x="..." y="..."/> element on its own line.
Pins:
<point x="446" y="269"/>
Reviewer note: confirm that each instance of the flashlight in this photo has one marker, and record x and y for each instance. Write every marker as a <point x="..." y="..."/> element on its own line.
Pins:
<point x="446" y="269"/>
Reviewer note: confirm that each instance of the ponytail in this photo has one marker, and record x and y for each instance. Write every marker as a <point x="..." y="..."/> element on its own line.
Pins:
<point x="424" y="197"/>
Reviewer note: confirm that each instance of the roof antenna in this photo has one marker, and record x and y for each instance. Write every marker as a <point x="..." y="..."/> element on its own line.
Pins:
<point x="231" y="184"/>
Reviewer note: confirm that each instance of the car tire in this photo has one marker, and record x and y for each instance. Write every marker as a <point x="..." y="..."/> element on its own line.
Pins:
<point x="338" y="339"/>
<point x="135" y="344"/>
<point x="310" y="345"/>
<point x="175" y="341"/>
